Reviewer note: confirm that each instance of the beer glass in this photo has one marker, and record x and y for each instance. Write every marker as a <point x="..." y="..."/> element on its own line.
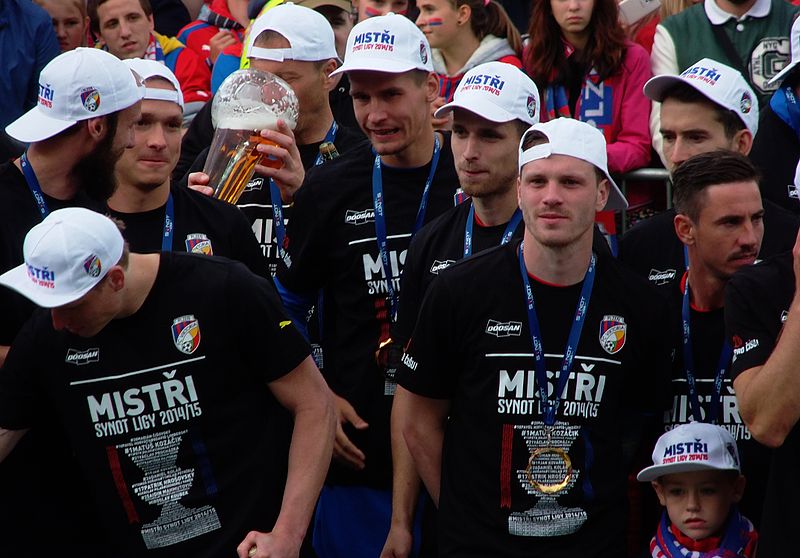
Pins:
<point x="247" y="102"/>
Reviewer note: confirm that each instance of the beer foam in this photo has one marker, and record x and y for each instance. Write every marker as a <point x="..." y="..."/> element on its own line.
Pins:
<point x="249" y="115"/>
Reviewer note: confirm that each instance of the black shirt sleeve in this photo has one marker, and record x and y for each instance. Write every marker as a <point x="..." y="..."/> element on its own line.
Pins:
<point x="411" y="292"/>
<point x="746" y="325"/>
<point x="19" y="393"/>
<point x="303" y="268"/>
<point x="428" y="365"/>
<point x="268" y="342"/>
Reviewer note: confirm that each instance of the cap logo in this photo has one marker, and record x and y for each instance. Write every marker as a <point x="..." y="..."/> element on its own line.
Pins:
<point x="46" y="95"/>
<point x="92" y="266"/>
<point x="531" y="106"/>
<point x="42" y="276"/>
<point x="746" y="103"/>
<point x="483" y="82"/>
<point x="374" y="40"/>
<point x="706" y="75"/>
<point x="423" y="53"/>
<point x="90" y="98"/>
<point x="686" y="451"/>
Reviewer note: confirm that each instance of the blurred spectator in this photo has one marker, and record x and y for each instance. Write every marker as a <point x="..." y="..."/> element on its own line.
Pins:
<point x="126" y="30"/>
<point x="586" y="69"/>
<point x="27" y="44"/>
<point x="70" y="21"/>
<point x="643" y="31"/>
<point x="464" y="34"/>
<point x="221" y="23"/>
<point x="372" y="8"/>
<point x="749" y="35"/>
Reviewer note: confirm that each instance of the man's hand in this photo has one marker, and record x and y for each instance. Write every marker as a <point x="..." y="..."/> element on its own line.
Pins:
<point x="343" y="449"/>
<point x="443" y="123"/>
<point x="198" y="181"/>
<point x="268" y="545"/>
<point x="290" y="176"/>
<point x="398" y="542"/>
<point x="219" y="42"/>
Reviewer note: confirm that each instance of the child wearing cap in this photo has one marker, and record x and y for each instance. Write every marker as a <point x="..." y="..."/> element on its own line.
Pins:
<point x="697" y="477"/>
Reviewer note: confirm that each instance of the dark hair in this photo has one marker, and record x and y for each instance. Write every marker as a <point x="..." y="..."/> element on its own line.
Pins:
<point x="685" y="93"/>
<point x="535" y="137"/>
<point x="545" y="61"/>
<point x="491" y="18"/>
<point x="713" y="168"/>
<point x="94" y="19"/>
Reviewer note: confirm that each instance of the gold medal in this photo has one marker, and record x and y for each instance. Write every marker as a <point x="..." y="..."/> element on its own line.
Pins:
<point x="550" y="488"/>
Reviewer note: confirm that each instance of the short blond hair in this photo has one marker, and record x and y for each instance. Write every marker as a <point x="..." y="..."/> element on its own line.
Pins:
<point x="80" y="5"/>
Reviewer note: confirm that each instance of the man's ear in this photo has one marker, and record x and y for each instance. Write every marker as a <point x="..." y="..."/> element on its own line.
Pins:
<point x="97" y="127"/>
<point x="603" y="191"/>
<point x="684" y="228"/>
<point x="659" y="492"/>
<point x="743" y="141"/>
<point x="152" y="23"/>
<point x="431" y="87"/>
<point x="329" y="82"/>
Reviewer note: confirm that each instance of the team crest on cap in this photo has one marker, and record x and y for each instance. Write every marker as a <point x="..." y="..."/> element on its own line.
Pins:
<point x="423" y="53"/>
<point x="531" y="106"/>
<point x="92" y="266"/>
<point x="199" y="244"/>
<point x="90" y="98"/>
<point x="612" y="334"/>
<point x="746" y="103"/>
<point x="186" y="334"/>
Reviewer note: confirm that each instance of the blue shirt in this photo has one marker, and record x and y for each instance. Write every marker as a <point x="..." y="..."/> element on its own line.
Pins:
<point x="27" y="43"/>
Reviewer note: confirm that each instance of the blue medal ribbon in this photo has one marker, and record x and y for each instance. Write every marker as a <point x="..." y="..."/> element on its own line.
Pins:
<point x="550" y="408"/>
<point x="380" y="218"/>
<point x="33" y="185"/>
<point x="277" y="202"/>
<point x="169" y="225"/>
<point x="507" y="234"/>
<point x="688" y="363"/>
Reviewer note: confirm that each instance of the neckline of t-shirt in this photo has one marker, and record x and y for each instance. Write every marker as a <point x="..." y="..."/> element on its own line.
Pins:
<point x="549" y="284"/>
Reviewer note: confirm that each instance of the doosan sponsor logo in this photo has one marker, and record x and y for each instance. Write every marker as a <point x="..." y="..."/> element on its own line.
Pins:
<point x="409" y="361"/>
<point x="439" y="265"/>
<point x="354" y="217"/>
<point x="662" y="277"/>
<point x="504" y="329"/>
<point x="74" y="356"/>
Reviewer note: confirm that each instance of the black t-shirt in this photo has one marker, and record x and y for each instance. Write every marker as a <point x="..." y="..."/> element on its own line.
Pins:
<point x="201" y="225"/>
<point x="472" y="346"/>
<point x="707" y="336"/>
<point x="40" y="469"/>
<point x="439" y="245"/>
<point x="184" y="443"/>
<point x="652" y="248"/>
<point x="757" y="301"/>
<point x="332" y="246"/>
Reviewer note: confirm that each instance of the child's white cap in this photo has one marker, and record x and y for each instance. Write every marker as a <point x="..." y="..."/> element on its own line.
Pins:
<point x="696" y="446"/>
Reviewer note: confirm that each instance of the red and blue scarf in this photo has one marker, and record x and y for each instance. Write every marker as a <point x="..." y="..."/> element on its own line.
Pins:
<point x="738" y="540"/>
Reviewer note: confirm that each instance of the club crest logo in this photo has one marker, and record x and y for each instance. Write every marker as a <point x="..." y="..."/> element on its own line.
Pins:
<point x="531" y="106"/>
<point x="612" y="334"/>
<point x="423" y="53"/>
<point x="746" y="103"/>
<point x="92" y="266"/>
<point x="199" y="244"/>
<point x="90" y="98"/>
<point x="186" y="334"/>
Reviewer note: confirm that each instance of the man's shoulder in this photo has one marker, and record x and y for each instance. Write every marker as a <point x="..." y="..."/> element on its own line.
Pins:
<point x="766" y="275"/>
<point x="443" y="227"/>
<point x="342" y="174"/>
<point x="192" y="200"/>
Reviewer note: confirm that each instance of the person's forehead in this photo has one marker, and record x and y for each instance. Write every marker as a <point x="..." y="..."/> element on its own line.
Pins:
<point x="706" y="476"/>
<point x="558" y="164"/>
<point x="698" y="113"/>
<point x="469" y="119"/>
<point x="368" y="80"/>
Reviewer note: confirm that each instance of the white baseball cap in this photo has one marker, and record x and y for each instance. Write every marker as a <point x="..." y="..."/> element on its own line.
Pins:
<point x="567" y="136"/>
<point x="722" y="85"/>
<point x="389" y="43"/>
<point x="498" y="92"/>
<point x="308" y="32"/>
<point x="66" y="255"/>
<point x="794" y="37"/>
<point x="697" y="446"/>
<point x="77" y="85"/>
<point x="152" y="69"/>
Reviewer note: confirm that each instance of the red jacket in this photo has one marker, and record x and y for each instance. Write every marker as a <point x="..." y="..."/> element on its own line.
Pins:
<point x="197" y="35"/>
